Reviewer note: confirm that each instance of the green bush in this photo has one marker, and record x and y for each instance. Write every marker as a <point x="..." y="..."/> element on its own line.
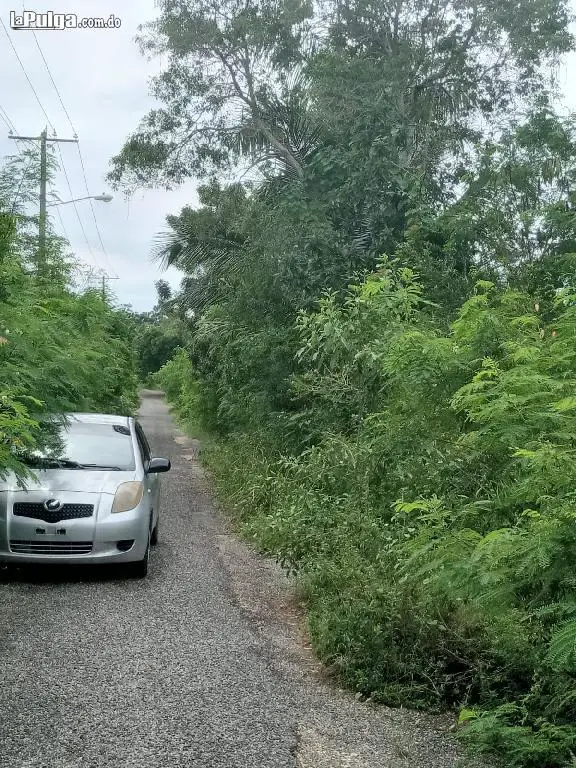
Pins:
<point x="59" y="351"/>
<point x="431" y="522"/>
<point x="177" y="381"/>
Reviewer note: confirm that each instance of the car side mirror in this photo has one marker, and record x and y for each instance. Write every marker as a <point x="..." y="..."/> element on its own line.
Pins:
<point x="158" y="465"/>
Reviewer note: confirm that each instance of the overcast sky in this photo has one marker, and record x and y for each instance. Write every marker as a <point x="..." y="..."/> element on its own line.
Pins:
<point x="103" y="82"/>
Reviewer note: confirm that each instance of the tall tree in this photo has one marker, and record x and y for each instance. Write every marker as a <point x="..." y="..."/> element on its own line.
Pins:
<point x="359" y="113"/>
<point x="228" y="61"/>
<point x="229" y="88"/>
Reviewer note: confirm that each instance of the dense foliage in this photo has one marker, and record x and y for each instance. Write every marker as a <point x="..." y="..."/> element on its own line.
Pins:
<point x="380" y="332"/>
<point x="60" y="349"/>
<point x="159" y="333"/>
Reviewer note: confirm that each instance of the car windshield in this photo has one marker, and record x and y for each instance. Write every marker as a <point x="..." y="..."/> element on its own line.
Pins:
<point x="91" y="446"/>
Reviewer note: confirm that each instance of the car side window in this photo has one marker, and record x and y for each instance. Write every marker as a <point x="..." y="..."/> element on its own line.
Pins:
<point x="143" y="443"/>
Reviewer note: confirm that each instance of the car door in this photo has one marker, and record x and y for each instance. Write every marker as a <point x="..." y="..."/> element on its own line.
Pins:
<point x="151" y="481"/>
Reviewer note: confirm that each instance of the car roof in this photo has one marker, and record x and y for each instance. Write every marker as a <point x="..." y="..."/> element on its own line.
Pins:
<point x="100" y="418"/>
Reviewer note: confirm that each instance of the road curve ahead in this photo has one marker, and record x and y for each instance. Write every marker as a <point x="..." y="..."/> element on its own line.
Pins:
<point x="201" y="664"/>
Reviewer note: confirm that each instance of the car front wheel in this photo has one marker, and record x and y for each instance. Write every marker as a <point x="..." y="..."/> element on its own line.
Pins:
<point x="154" y="536"/>
<point x="139" y="569"/>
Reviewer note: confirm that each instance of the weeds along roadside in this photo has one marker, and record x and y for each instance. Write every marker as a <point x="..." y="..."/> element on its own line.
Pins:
<point x="433" y="537"/>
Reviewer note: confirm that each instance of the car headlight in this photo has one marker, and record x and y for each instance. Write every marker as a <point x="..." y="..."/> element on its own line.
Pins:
<point x="128" y="496"/>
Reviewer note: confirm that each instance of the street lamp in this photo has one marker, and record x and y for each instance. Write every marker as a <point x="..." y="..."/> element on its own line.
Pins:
<point x="103" y="198"/>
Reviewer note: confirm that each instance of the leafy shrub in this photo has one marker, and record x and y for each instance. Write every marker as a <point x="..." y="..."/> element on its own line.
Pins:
<point x="430" y="519"/>
<point x="176" y="379"/>
<point x="429" y="515"/>
<point x="59" y="351"/>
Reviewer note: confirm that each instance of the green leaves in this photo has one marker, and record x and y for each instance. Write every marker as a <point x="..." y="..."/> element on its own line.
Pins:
<point x="466" y="715"/>
<point x="562" y="649"/>
<point x="427" y="505"/>
<point x="224" y="92"/>
<point x="405" y="443"/>
<point x="59" y="351"/>
<point x="566" y="404"/>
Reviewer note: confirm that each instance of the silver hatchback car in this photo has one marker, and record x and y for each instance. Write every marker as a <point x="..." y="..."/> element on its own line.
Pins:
<point x="99" y="503"/>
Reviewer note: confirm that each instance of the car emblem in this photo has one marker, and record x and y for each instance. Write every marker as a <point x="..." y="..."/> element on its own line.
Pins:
<point x="52" y="505"/>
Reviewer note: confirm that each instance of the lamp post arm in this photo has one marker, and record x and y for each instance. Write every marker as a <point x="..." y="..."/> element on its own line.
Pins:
<point x="76" y="200"/>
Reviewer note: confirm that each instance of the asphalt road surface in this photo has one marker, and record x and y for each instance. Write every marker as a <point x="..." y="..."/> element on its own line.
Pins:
<point x="204" y="663"/>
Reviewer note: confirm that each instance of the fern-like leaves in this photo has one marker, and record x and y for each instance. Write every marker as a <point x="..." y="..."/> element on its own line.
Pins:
<point x="562" y="649"/>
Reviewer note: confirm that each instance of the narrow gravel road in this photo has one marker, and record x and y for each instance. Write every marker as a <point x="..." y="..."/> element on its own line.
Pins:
<point x="202" y="664"/>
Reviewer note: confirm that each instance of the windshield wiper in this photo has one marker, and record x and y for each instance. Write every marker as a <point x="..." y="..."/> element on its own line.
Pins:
<point x="65" y="464"/>
<point x="101" y="466"/>
<point x="45" y="463"/>
<point x="41" y="462"/>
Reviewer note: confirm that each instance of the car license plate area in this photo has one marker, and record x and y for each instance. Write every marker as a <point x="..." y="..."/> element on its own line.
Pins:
<point x="26" y="529"/>
<point x="44" y="532"/>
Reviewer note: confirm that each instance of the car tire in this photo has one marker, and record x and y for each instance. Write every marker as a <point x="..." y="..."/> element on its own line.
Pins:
<point x="139" y="569"/>
<point x="154" y="535"/>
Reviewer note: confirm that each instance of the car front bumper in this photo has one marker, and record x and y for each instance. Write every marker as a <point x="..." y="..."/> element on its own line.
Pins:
<point x="21" y="543"/>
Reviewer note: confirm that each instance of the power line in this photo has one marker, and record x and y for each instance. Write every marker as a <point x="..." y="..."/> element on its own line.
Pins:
<point x="30" y="140"/>
<point x="63" y="167"/>
<point x="62" y="224"/>
<point x="11" y="128"/>
<point x="6" y="119"/>
<point x="79" y="151"/>
<point x="54" y="84"/>
<point x="64" y="231"/>
<point x="31" y="160"/>
<point x="23" y="144"/>
<point x="93" y="211"/>
<point x="26" y="75"/>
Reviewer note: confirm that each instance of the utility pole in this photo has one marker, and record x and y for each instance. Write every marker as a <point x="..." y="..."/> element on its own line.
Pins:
<point x="104" y="278"/>
<point x="43" y="139"/>
<point x="42" y="220"/>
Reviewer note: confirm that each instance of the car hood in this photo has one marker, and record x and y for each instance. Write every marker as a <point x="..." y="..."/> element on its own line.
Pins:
<point x="85" y="480"/>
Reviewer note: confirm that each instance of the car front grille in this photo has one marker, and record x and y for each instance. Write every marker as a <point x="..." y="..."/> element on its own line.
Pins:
<point x="37" y="511"/>
<point x="24" y="547"/>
